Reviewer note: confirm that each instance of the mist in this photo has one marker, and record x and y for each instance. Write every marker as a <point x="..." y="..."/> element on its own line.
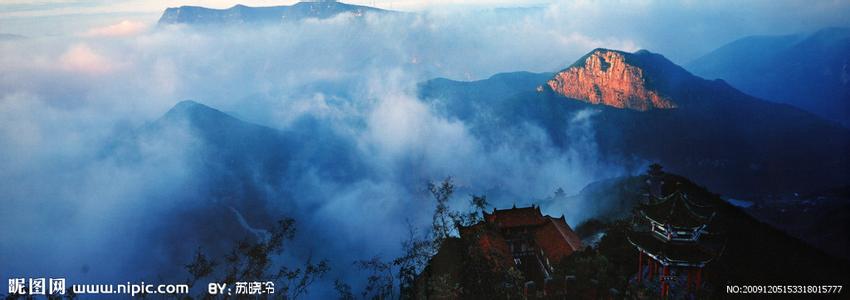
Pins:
<point x="76" y="209"/>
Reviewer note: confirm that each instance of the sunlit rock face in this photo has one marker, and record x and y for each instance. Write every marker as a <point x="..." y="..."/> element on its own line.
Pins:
<point x="606" y="77"/>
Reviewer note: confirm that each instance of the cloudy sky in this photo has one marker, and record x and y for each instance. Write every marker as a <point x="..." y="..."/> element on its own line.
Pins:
<point x="65" y="17"/>
<point x="88" y="71"/>
<point x="668" y="27"/>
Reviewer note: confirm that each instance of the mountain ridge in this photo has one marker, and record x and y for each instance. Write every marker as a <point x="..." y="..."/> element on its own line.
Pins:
<point x="809" y="71"/>
<point x="731" y="141"/>
<point x="240" y="14"/>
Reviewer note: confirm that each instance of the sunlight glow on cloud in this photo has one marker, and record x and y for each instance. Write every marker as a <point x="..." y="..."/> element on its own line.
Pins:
<point x="81" y="58"/>
<point x="122" y="29"/>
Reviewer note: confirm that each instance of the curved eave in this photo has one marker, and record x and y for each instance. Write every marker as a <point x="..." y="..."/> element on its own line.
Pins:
<point x="666" y="260"/>
<point x="675" y="227"/>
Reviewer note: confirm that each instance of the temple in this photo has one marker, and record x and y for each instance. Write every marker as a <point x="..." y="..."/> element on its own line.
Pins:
<point x="531" y="241"/>
<point x="674" y="238"/>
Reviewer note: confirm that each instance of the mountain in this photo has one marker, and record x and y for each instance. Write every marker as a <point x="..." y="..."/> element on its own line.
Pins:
<point x="228" y="165"/>
<point x="467" y="100"/>
<point x="734" y="143"/>
<point x="819" y="218"/>
<point x="612" y="78"/>
<point x="257" y="154"/>
<point x="754" y="252"/>
<point x="811" y="71"/>
<point x="240" y="14"/>
<point x="239" y="175"/>
<point x="747" y="249"/>
<point x="233" y="159"/>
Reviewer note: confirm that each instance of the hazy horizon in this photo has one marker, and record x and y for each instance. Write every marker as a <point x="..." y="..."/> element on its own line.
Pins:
<point x="682" y="31"/>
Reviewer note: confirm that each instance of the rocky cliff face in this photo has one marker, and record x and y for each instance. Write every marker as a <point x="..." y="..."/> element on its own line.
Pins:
<point x="606" y="77"/>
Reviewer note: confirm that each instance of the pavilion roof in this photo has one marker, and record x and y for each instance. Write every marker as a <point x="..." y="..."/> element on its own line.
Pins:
<point x="676" y="254"/>
<point x="678" y="210"/>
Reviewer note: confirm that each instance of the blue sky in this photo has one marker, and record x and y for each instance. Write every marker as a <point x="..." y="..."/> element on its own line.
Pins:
<point x="682" y="30"/>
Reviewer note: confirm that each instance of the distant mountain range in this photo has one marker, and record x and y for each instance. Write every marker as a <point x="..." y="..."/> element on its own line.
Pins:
<point x="736" y="144"/>
<point x="809" y="71"/>
<point x="707" y="130"/>
<point x="239" y="14"/>
<point x="641" y="107"/>
<point x="239" y="165"/>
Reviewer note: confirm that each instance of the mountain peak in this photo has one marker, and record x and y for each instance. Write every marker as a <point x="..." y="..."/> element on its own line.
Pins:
<point x="194" y="112"/>
<point x="615" y="78"/>
<point x="211" y="124"/>
<point x="187" y="105"/>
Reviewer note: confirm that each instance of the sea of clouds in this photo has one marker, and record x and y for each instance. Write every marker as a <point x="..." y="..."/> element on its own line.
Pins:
<point x="73" y="209"/>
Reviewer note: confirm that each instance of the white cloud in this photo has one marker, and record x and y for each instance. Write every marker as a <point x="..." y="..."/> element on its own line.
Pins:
<point x="81" y="58"/>
<point x="122" y="29"/>
<point x="354" y="77"/>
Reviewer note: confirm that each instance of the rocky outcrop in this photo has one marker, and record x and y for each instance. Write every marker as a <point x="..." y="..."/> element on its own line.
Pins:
<point x="606" y="77"/>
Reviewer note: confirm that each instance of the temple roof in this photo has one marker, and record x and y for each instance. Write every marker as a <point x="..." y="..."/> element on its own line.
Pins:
<point x="557" y="239"/>
<point x="515" y="217"/>
<point x="553" y="235"/>
<point x="678" y="210"/>
<point x="675" y="254"/>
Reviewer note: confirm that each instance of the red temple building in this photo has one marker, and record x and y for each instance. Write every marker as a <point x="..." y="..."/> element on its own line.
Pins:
<point x="534" y="243"/>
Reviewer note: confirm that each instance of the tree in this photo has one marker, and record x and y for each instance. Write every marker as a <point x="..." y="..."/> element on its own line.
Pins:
<point x="380" y="281"/>
<point x="415" y="255"/>
<point x="199" y="268"/>
<point x="443" y="222"/>
<point x="297" y="281"/>
<point x="605" y="267"/>
<point x="475" y="215"/>
<point x="250" y="260"/>
<point x="446" y="221"/>
<point x="485" y="277"/>
<point x="343" y="290"/>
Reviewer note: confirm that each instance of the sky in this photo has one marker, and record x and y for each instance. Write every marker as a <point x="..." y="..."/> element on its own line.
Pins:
<point x="682" y="30"/>
<point x="90" y="73"/>
<point x="64" y="17"/>
<point x="19" y="8"/>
